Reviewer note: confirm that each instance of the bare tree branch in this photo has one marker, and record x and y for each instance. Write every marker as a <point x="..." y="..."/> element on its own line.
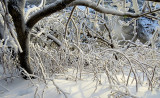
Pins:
<point x="69" y="18"/>
<point x="59" y="5"/>
<point x="46" y="11"/>
<point x="101" y="9"/>
<point x="55" y="40"/>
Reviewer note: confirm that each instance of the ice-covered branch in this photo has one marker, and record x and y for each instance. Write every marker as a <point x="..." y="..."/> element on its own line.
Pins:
<point x="54" y="39"/>
<point x="61" y="4"/>
<point x="101" y="9"/>
<point x="46" y="11"/>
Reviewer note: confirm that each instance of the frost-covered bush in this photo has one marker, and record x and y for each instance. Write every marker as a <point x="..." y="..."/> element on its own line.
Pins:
<point x="87" y="49"/>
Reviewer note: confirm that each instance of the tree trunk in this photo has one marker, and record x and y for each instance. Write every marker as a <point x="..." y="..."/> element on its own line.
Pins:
<point x="24" y="57"/>
<point x="16" y="10"/>
<point x="1" y="30"/>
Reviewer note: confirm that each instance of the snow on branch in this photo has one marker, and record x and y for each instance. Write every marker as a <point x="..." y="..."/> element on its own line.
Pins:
<point x="101" y="9"/>
<point x="55" y="40"/>
<point x="61" y="4"/>
<point x="46" y="11"/>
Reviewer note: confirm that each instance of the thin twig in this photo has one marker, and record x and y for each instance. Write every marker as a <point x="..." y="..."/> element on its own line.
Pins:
<point x="69" y="21"/>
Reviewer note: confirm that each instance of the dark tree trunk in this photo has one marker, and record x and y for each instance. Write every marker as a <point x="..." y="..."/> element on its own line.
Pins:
<point x="24" y="57"/>
<point x="16" y="9"/>
<point x="1" y="30"/>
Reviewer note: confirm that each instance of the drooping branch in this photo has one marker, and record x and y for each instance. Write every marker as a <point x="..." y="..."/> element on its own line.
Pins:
<point x="61" y="4"/>
<point x="46" y="11"/>
<point x="101" y="9"/>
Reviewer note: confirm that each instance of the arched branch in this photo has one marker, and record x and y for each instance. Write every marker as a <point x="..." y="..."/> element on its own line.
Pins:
<point x="46" y="11"/>
<point x="59" y="5"/>
<point x="101" y="9"/>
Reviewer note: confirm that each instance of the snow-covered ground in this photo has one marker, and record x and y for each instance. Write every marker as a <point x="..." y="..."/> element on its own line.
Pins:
<point x="84" y="88"/>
